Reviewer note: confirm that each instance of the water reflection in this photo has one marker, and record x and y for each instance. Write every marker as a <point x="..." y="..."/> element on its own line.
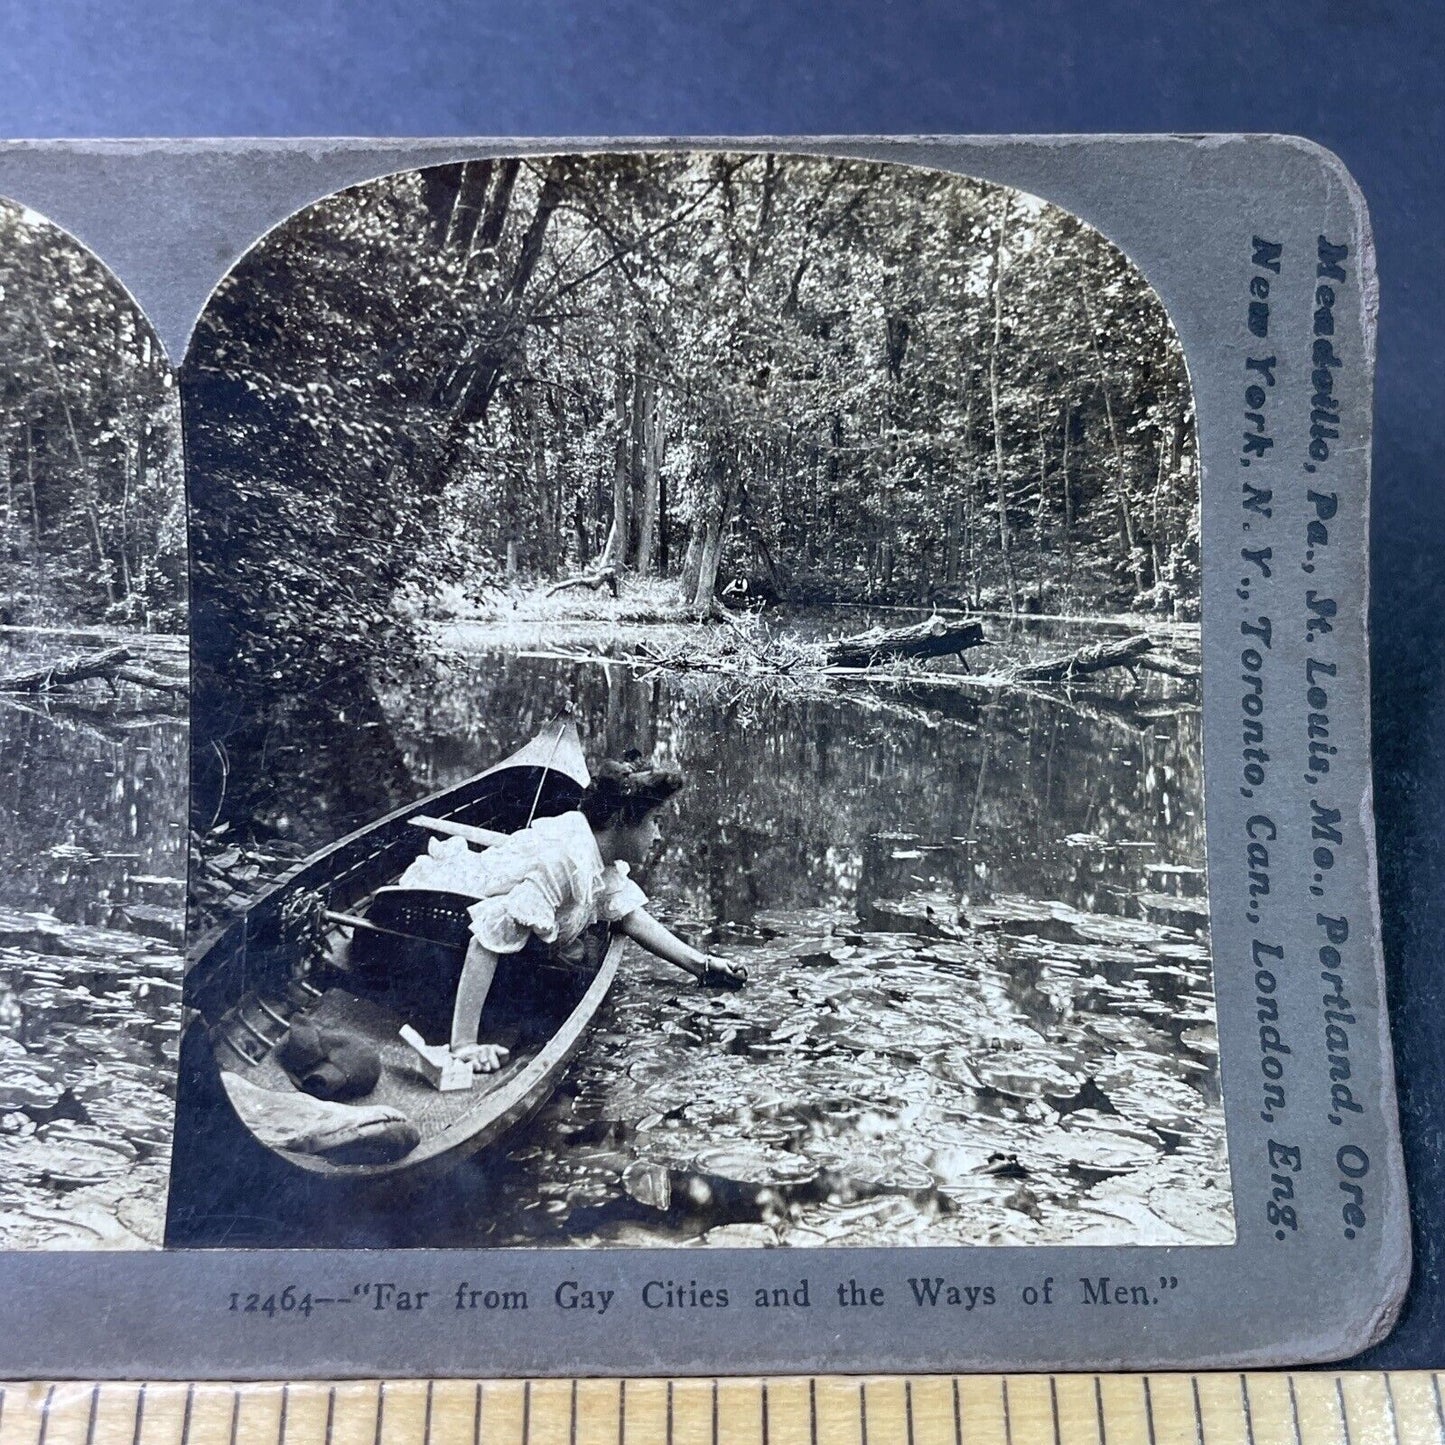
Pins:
<point x="92" y="869"/>
<point x="981" y="1008"/>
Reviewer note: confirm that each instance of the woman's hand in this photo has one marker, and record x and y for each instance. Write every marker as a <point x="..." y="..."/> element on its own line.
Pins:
<point x="719" y="973"/>
<point x="484" y="1058"/>
<point x="710" y="972"/>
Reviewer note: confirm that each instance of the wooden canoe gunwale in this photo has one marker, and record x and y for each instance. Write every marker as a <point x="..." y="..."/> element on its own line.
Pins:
<point x="501" y="1109"/>
<point x="249" y="956"/>
<point x="363" y="859"/>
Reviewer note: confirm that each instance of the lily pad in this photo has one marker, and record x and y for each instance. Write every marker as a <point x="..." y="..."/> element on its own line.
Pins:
<point x="745" y="1163"/>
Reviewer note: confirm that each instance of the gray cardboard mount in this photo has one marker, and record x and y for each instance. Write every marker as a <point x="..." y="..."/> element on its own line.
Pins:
<point x="170" y="217"/>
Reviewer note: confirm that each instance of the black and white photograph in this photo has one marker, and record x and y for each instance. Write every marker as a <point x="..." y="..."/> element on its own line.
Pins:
<point x="93" y="706"/>
<point x="696" y="731"/>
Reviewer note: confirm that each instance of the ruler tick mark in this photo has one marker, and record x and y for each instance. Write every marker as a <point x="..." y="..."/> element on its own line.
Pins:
<point x="812" y="1410"/>
<point x="1434" y="1386"/>
<point x="908" y="1408"/>
<point x="426" y="1425"/>
<point x="1344" y="1417"/>
<point x="1198" y="1410"/>
<point x="1099" y="1410"/>
<point x="1390" y="1403"/>
<point x="1149" y="1410"/>
<point x="285" y="1409"/>
<point x="380" y="1409"/>
<point x="235" y="1413"/>
<point x="862" y="1412"/>
<point x="572" y="1423"/>
<point x="1294" y="1410"/>
<point x="526" y="1411"/>
<point x="1008" y="1425"/>
<point x="622" y="1410"/>
<point x="95" y="1410"/>
<point x="957" y="1415"/>
<point x="330" y="1413"/>
<point x="1054" y="1408"/>
<point x="45" y="1416"/>
<point x="1248" y="1410"/>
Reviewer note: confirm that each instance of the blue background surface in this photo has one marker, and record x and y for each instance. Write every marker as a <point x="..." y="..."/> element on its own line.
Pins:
<point x="1364" y="77"/>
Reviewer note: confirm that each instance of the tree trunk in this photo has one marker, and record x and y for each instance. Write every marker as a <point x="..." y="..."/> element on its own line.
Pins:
<point x="1000" y="482"/>
<point x="122" y="542"/>
<point x="9" y="497"/>
<point x="1068" y="495"/>
<point x="580" y="539"/>
<point x="1126" y="516"/>
<point x="834" y="467"/>
<point x="967" y="570"/>
<point x="1156" y="536"/>
<point x="616" y="551"/>
<point x="809" y="550"/>
<point x="720" y="504"/>
<point x="692" y="562"/>
<point x="77" y="668"/>
<point x="664" y="521"/>
<point x="546" y="509"/>
<point x="650" y="468"/>
<point x="1123" y="652"/>
<point x="87" y="480"/>
<point x="471" y="384"/>
<point x="467" y="208"/>
<point x="489" y="232"/>
<point x="1039" y="516"/>
<point x="30" y="486"/>
<point x="952" y="542"/>
<point x="637" y="426"/>
<point x="931" y="638"/>
<point x="749" y="518"/>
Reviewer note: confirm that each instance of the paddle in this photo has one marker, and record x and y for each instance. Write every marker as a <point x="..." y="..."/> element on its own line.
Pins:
<point x="485" y="837"/>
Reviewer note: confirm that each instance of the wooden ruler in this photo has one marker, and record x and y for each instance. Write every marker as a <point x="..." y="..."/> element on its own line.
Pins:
<point x="1308" y="1408"/>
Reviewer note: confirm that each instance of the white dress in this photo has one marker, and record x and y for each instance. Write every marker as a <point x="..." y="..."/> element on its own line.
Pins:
<point x="547" y="881"/>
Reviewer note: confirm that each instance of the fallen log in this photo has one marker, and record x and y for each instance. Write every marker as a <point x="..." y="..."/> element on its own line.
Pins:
<point x="80" y="667"/>
<point x="935" y="637"/>
<point x="145" y="677"/>
<point x="1170" y="668"/>
<point x="606" y="577"/>
<point x="1125" y="652"/>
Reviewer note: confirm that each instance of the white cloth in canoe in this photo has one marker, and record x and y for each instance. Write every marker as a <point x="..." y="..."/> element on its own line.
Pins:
<point x="547" y="881"/>
<point x="288" y="1119"/>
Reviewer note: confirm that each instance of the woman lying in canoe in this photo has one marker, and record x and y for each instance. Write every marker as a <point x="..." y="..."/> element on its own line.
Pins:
<point x="553" y="881"/>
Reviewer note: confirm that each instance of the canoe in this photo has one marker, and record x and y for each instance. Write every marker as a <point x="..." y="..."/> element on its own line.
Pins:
<point x="337" y="940"/>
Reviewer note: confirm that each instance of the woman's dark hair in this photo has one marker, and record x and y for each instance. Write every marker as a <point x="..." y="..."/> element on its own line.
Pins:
<point x="624" y="791"/>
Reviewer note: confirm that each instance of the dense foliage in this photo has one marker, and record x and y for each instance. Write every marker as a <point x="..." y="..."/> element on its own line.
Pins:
<point x="830" y="379"/>
<point x="92" y="505"/>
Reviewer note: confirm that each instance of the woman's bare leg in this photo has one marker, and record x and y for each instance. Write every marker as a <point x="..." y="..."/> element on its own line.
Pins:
<point x="478" y="970"/>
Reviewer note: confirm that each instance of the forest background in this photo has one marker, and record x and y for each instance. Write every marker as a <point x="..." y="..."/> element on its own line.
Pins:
<point x="92" y="507"/>
<point x="821" y="381"/>
<point x="421" y="413"/>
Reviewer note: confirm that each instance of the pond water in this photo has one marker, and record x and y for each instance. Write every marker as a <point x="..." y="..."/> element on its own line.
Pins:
<point x="980" y="1007"/>
<point x="92" y="869"/>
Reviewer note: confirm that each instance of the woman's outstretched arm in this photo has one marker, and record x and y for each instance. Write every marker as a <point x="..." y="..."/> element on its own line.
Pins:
<point x="643" y="928"/>
<point x="478" y="971"/>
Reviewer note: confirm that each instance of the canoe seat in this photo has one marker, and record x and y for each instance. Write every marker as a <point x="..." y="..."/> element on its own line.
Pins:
<point x="401" y="1085"/>
<point x="421" y="915"/>
<point x="410" y="962"/>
